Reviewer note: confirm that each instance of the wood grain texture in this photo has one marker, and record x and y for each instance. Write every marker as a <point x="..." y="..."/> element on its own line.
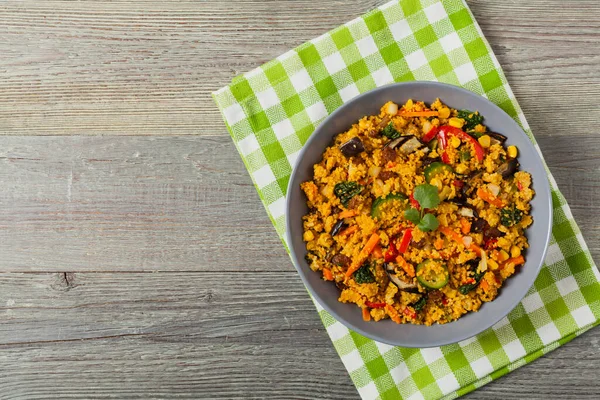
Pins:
<point x="145" y="266"/>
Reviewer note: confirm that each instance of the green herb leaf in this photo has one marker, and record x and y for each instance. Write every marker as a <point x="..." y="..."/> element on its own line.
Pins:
<point x="390" y="132"/>
<point x="364" y="274"/>
<point x="412" y="215"/>
<point x="346" y="191"/>
<point x="427" y="196"/>
<point x="428" y="223"/>
<point x="420" y="304"/>
<point x="472" y="119"/>
<point x="510" y="216"/>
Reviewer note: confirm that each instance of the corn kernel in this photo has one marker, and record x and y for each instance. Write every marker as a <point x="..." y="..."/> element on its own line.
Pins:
<point x="444" y="112"/>
<point x="503" y="256"/>
<point x="408" y="105"/>
<point x="446" y="191"/>
<point x="512" y="151"/>
<point x="454" y="142"/>
<point x="456" y="122"/>
<point x="436" y="182"/>
<point x="492" y="264"/>
<point x="515" y="251"/>
<point x="461" y="169"/>
<point x="484" y="141"/>
<point x="308" y="236"/>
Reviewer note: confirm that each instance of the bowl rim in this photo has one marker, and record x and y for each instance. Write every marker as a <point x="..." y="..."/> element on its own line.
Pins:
<point x="544" y="190"/>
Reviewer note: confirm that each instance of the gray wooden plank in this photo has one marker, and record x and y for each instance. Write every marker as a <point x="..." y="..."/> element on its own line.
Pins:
<point x="148" y="67"/>
<point x="177" y="203"/>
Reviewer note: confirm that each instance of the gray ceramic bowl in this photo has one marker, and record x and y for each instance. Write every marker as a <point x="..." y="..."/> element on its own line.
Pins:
<point x="514" y="289"/>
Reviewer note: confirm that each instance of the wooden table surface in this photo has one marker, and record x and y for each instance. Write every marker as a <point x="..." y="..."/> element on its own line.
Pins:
<point x="136" y="260"/>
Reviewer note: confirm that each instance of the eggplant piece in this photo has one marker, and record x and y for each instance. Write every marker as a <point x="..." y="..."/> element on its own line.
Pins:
<point x="508" y="168"/>
<point x="339" y="226"/>
<point x="411" y="145"/>
<point x="394" y="143"/>
<point x="405" y="287"/>
<point x="479" y="225"/>
<point x="352" y="147"/>
<point x="497" y="136"/>
<point x="341" y="260"/>
<point x="428" y="161"/>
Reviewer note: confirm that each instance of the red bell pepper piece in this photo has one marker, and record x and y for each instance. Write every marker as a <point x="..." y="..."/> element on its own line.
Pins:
<point x="519" y="186"/>
<point x="490" y="243"/>
<point x="450" y="130"/>
<point x="458" y="183"/>
<point x="430" y="135"/>
<point x="391" y="254"/>
<point x="374" y="305"/>
<point x="409" y="313"/>
<point x="414" y="202"/>
<point x="445" y="300"/>
<point x="406" y="238"/>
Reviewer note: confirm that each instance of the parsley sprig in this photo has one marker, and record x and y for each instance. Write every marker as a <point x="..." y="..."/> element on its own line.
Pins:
<point x="427" y="197"/>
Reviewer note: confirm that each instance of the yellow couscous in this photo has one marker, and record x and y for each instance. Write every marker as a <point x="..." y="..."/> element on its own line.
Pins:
<point x="417" y="214"/>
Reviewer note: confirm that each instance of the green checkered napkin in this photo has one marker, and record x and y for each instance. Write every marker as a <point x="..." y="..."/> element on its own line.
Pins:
<point x="271" y="112"/>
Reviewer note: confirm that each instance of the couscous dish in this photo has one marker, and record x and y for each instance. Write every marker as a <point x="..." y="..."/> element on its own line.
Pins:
<point x="417" y="214"/>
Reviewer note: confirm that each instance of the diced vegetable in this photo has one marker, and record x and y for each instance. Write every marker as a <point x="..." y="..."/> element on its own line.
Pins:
<point x="347" y="214"/>
<point x="349" y="231"/>
<point x="364" y="253"/>
<point x="345" y="191"/>
<point x="464" y="155"/>
<point x="466" y="288"/>
<point x="454" y="142"/>
<point x="390" y="132"/>
<point x="510" y="216"/>
<point x="434" y="169"/>
<point x="465" y="226"/>
<point x="429" y="277"/>
<point x="494" y="189"/>
<point x="508" y="168"/>
<point x="456" y="122"/>
<point x="405" y="241"/>
<point x="379" y="203"/>
<point x="327" y="274"/>
<point x="485" y="141"/>
<point x="364" y="274"/>
<point x="487" y="196"/>
<point x="411" y="145"/>
<point x="366" y="314"/>
<point x="430" y="135"/>
<point x="446" y="131"/>
<point x="515" y="251"/>
<point x="393" y="313"/>
<point x="512" y="151"/>
<point x="377" y="252"/>
<point x="374" y="305"/>
<point x="472" y="119"/>
<point x="352" y="147"/>
<point x="392" y="109"/>
<point x="391" y="253"/>
<point x="514" y="261"/>
<point x="420" y="304"/>
<point x="406" y="266"/>
<point x="339" y="226"/>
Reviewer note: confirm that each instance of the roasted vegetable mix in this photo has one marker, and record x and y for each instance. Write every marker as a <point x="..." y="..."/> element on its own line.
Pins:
<point x="418" y="214"/>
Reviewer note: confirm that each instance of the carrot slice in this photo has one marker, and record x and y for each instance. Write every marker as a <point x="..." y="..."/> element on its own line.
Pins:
<point x="406" y="266"/>
<point x="362" y="256"/>
<point x="366" y="314"/>
<point x="465" y="226"/>
<point x="347" y="214"/>
<point x="377" y="251"/>
<point x="515" y="261"/>
<point x="349" y="231"/>
<point x="393" y="313"/>
<point x="459" y="239"/>
<point x="418" y="113"/>
<point x="490" y="198"/>
<point x="327" y="274"/>
<point x="484" y="285"/>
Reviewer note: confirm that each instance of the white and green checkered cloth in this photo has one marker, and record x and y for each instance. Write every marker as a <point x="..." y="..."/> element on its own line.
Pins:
<point x="271" y="112"/>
